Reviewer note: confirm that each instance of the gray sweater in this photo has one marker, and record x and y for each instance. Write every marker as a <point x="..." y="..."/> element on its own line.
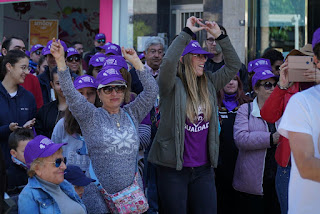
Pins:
<point x="113" y="151"/>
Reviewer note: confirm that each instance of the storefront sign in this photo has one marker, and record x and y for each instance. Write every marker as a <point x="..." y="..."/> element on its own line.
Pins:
<point x="41" y="31"/>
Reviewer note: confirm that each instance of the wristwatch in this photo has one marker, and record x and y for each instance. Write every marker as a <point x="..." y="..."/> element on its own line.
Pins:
<point x="283" y="87"/>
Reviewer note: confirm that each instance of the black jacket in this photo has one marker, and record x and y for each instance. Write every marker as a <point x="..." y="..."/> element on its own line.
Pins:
<point x="46" y="118"/>
<point x="210" y="65"/>
<point x="17" y="179"/>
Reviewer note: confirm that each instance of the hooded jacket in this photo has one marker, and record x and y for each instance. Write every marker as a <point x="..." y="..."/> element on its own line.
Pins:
<point x="19" y="109"/>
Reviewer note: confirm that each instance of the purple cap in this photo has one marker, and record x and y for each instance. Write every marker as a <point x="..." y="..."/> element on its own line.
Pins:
<point x="47" y="51"/>
<point x="316" y="37"/>
<point x="28" y="53"/>
<point x="194" y="47"/>
<point x="141" y="56"/>
<point x="40" y="147"/>
<point x="257" y="63"/>
<point x="85" y="81"/>
<point x="100" y="36"/>
<point x="36" y="47"/>
<point x="97" y="60"/>
<point x="111" y="48"/>
<point x="117" y="61"/>
<point x="76" y="176"/>
<point x="261" y="73"/>
<point x="108" y="75"/>
<point x="72" y="51"/>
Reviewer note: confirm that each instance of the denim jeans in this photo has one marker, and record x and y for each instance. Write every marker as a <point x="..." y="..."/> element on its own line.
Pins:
<point x="190" y="190"/>
<point x="282" y="184"/>
<point x="150" y="182"/>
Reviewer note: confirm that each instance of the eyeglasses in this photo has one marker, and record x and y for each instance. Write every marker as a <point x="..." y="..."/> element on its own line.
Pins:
<point x="75" y="58"/>
<point x="210" y="40"/>
<point x="200" y="56"/>
<point x="117" y="88"/>
<point x="58" y="161"/>
<point x="38" y="52"/>
<point x="268" y="85"/>
<point x="26" y="69"/>
<point x="101" y="40"/>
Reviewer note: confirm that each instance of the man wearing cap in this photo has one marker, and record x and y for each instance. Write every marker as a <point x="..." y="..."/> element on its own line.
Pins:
<point x="47" y="191"/>
<point x="44" y="78"/>
<point x="153" y="54"/>
<point x="300" y="124"/>
<point x="31" y="83"/>
<point x="216" y="62"/>
<point x="99" y="40"/>
<point x="77" y="178"/>
<point x="35" y="54"/>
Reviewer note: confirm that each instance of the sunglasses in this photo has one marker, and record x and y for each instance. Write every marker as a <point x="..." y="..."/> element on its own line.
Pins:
<point x="58" y="162"/>
<point x="268" y="85"/>
<point x="101" y="40"/>
<point x="38" y="52"/>
<point x="277" y="68"/>
<point x="200" y="56"/>
<point x="75" y="58"/>
<point x="117" y="88"/>
<point x="210" y="41"/>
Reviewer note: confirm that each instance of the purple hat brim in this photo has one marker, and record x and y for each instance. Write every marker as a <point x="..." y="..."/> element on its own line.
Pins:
<point x="85" y="85"/>
<point x="110" y="80"/>
<point x="199" y="51"/>
<point x="72" y="54"/>
<point x="97" y="64"/>
<point x="46" y="52"/>
<point x="113" y="52"/>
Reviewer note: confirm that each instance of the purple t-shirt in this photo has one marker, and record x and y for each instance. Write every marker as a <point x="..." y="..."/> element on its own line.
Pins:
<point x="195" y="143"/>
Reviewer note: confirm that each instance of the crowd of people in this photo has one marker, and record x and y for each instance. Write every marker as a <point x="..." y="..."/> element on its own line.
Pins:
<point x="189" y="129"/>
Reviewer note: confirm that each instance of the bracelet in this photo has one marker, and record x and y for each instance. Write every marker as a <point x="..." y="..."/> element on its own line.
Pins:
<point x="282" y="87"/>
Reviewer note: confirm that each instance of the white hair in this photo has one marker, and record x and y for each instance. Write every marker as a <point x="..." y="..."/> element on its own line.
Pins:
<point x="154" y="40"/>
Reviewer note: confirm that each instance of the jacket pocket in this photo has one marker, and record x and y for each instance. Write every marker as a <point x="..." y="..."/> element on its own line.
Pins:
<point x="46" y="205"/>
<point x="167" y="153"/>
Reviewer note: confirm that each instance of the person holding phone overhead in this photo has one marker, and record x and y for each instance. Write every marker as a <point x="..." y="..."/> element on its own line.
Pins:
<point x="186" y="146"/>
<point x="272" y="111"/>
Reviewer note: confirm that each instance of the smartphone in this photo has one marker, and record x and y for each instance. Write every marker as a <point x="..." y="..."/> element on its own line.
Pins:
<point x="297" y="65"/>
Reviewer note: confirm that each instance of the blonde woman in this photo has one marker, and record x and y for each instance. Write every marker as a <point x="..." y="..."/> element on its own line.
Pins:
<point x="186" y="146"/>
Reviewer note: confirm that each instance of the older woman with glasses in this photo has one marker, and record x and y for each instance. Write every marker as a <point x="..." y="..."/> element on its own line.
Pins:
<point x="110" y="131"/>
<point x="74" y="61"/>
<point x="255" y="170"/>
<point x="46" y="191"/>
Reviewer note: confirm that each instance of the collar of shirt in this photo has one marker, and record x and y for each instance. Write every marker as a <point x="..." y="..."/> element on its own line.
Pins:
<point x="154" y="73"/>
<point x="255" y="108"/>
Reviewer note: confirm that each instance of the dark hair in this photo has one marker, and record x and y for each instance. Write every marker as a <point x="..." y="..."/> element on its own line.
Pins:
<point x="240" y="97"/>
<point x="41" y="60"/>
<point x="273" y="55"/>
<point x="6" y="44"/>
<point x="19" y="135"/>
<point x="316" y="50"/>
<point x="54" y="71"/>
<point x="90" y="69"/>
<point x="71" y="125"/>
<point x="12" y="57"/>
<point x="75" y="43"/>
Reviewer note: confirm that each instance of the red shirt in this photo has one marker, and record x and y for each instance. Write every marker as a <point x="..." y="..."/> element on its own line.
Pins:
<point x="31" y="83"/>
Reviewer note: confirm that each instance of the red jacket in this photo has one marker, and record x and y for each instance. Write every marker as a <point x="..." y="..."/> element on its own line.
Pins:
<point x="31" y="83"/>
<point x="272" y="111"/>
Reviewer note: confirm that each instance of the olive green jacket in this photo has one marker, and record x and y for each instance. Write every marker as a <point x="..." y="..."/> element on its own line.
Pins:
<point x="168" y="145"/>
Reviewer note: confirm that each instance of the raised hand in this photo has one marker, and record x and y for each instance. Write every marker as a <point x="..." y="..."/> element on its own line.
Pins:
<point x="131" y="55"/>
<point x="57" y="52"/>
<point x="13" y="126"/>
<point x="191" y="23"/>
<point x="313" y="75"/>
<point x="213" y="28"/>
<point x="284" y="79"/>
<point x="29" y="124"/>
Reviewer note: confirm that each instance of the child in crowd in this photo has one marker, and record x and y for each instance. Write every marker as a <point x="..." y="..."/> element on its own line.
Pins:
<point x="17" y="172"/>
<point x="77" y="178"/>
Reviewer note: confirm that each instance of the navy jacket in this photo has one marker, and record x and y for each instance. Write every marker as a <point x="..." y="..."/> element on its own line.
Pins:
<point x="44" y="80"/>
<point x="18" y="109"/>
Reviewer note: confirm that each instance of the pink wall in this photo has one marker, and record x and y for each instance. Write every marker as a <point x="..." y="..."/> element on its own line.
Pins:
<point x="105" y="21"/>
